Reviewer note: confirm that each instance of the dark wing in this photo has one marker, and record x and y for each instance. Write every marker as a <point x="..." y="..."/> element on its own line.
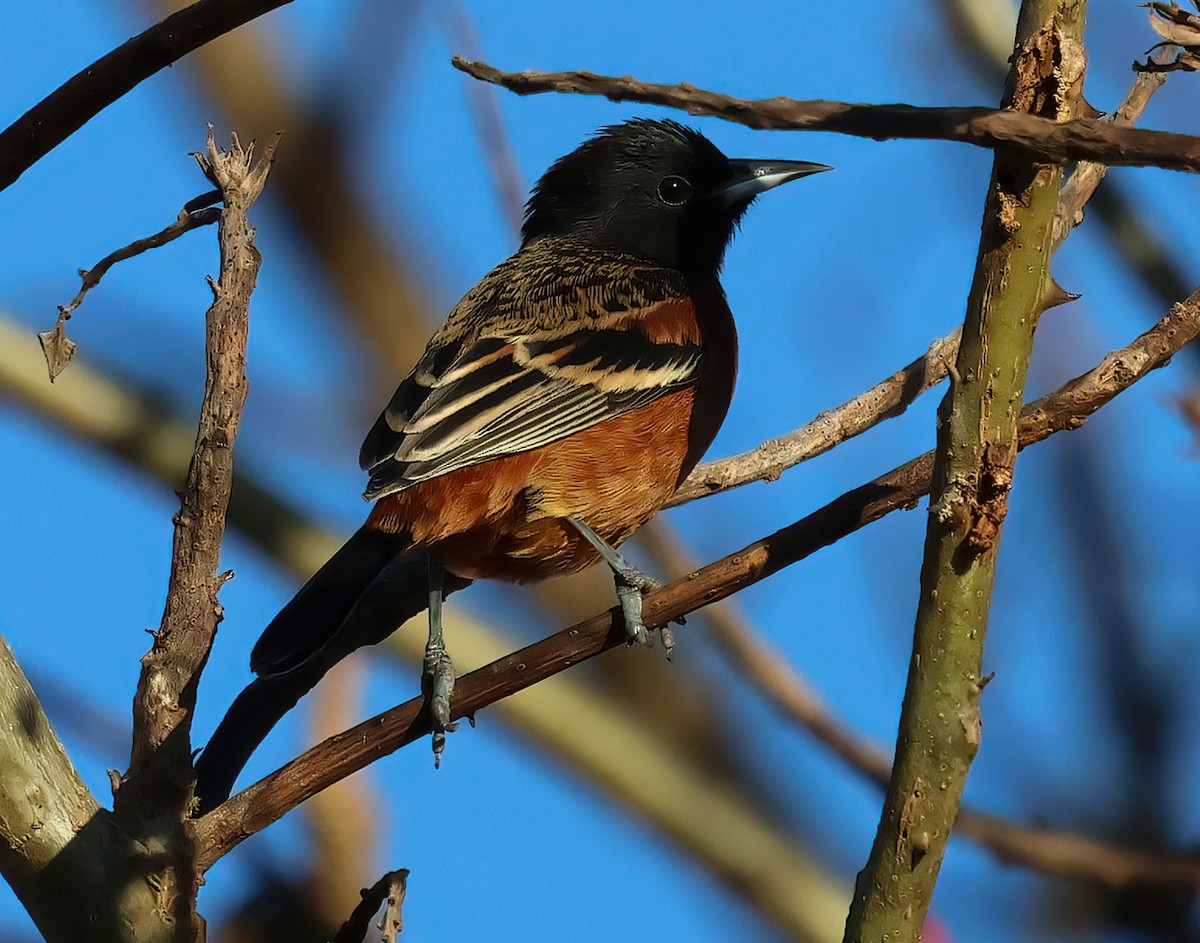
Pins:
<point x="499" y="395"/>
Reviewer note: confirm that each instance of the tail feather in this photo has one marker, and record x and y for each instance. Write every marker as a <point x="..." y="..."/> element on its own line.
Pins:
<point x="316" y="613"/>
<point x="365" y="591"/>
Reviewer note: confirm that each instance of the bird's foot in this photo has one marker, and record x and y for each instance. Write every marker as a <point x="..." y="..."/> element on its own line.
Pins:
<point x="437" y="677"/>
<point x="438" y="683"/>
<point x="630" y="595"/>
<point x="632" y="584"/>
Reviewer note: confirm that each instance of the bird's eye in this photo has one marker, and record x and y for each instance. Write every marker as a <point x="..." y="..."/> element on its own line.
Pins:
<point x="674" y="191"/>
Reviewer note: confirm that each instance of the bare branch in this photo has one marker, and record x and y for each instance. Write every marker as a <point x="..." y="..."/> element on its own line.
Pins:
<point x="76" y="874"/>
<point x="1041" y="138"/>
<point x="191" y="217"/>
<point x="885" y="400"/>
<point x="157" y="787"/>
<point x="57" y="347"/>
<point x="1089" y="174"/>
<point x="256" y="807"/>
<point x="978" y="436"/>
<point x="69" y="107"/>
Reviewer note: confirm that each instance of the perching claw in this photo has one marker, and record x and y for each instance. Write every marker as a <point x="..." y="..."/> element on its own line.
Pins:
<point x="631" y="584"/>
<point x="438" y="677"/>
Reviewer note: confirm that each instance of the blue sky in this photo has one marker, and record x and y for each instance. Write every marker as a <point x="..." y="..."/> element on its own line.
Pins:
<point x="836" y="282"/>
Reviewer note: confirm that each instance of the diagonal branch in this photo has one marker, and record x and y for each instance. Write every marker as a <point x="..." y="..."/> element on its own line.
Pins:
<point x="56" y="844"/>
<point x="1041" y="138"/>
<point x="83" y="96"/>
<point x="58" y="349"/>
<point x="1046" y="850"/>
<point x="256" y="807"/>
<point x="885" y="400"/>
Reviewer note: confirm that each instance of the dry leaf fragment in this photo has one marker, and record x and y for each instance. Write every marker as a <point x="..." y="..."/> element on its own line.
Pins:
<point x="57" y="347"/>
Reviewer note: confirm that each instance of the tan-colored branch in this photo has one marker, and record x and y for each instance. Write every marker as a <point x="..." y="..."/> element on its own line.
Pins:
<point x="75" y="873"/>
<point x="69" y="107"/>
<point x="1041" y="138"/>
<point x="157" y="787"/>
<point x="940" y="723"/>
<point x="251" y="810"/>
<point x="766" y="462"/>
<point x="1088" y="176"/>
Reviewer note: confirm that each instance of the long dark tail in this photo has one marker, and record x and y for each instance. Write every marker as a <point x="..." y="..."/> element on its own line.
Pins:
<point x="365" y="591"/>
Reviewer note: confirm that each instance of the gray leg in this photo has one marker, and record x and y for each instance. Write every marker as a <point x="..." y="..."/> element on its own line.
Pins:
<point x="631" y="583"/>
<point x="438" y="670"/>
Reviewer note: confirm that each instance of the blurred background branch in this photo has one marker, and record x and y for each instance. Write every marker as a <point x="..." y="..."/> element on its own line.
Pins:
<point x="371" y="73"/>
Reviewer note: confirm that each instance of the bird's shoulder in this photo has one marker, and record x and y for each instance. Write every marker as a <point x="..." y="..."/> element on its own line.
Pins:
<point x="555" y="284"/>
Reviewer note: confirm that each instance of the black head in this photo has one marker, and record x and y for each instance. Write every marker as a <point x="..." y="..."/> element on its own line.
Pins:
<point x="654" y="189"/>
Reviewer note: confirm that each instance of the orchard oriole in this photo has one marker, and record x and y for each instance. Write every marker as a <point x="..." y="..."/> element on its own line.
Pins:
<point x="554" y="412"/>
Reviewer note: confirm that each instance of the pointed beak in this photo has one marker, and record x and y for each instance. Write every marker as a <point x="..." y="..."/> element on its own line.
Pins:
<point x="752" y="177"/>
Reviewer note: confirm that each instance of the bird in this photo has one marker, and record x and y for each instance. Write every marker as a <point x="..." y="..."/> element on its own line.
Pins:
<point x="556" y="410"/>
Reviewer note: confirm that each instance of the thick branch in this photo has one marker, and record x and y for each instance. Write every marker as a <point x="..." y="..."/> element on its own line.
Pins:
<point x="75" y="873"/>
<point x="1041" y="138"/>
<point x="1046" y="850"/>
<point x="256" y="807"/>
<point x="973" y="473"/>
<point x="69" y="107"/>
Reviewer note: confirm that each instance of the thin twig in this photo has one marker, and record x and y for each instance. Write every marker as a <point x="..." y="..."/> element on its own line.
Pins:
<point x="1089" y="174"/>
<point x="83" y="96"/>
<point x="58" y="349"/>
<point x="766" y="462"/>
<point x="485" y="112"/>
<point x="251" y="810"/>
<point x="186" y="221"/>
<point x="1042" y="138"/>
